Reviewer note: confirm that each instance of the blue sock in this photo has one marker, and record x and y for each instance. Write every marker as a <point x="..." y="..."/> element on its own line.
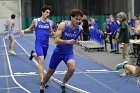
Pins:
<point x="116" y="46"/>
<point x="113" y="46"/>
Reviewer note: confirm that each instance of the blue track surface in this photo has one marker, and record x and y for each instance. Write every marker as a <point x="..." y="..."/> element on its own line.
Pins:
<point x="19" y="75"/>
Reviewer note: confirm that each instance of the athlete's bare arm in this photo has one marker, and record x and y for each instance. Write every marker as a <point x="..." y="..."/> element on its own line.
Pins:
<point x="58" y="35"/>
<point x="30" y="29"/>
<point x="51" y="29"/>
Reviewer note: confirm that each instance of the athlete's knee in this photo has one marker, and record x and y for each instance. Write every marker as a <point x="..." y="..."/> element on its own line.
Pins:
<point x="41" y="60"/>
<point x="71" y="67"/>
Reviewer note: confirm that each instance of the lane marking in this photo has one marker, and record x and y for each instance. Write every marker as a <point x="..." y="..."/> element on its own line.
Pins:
<point x="97" y="70"/>
<point x="87" y="72"/>
<point x="25" y="73"/>
<point x="10" y="68"/>
<point x="57" y="73"/>
<point x="9" y="88"/>
<point x="6" y="71"/>
<point x="19" y="75"/>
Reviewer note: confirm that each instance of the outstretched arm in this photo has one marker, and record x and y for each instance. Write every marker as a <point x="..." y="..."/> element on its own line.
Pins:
<point x="31" y="28"/>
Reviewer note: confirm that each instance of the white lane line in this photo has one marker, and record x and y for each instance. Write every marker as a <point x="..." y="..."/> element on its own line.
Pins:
<point x="25" y="73"/>
<point x="87" y="72"/>
<point x="54" y="79"/>
<point x="97" y="70"/>
<point x="9" y="88"/>
<point x="6" y="72"/>
<point x="11" y="72"/>
<point x="19" y="75"/>
<point x="56" y="73"/>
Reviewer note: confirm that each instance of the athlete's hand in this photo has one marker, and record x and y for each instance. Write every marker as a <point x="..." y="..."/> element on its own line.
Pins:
<point x="72" y="41"/>
<point x="22" y="33"/>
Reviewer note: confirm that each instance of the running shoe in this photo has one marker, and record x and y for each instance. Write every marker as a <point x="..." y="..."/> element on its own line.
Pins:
<point x="31" y="56"/>
<point x="63" y="89"/>
<point x="121" y="65"/>
<point x="12" y="52"/>
<point x="6" y="37"/>
<point x="42" y="91"/>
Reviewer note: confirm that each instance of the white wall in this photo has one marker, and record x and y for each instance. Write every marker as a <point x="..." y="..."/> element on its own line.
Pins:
<point x="8" y="7"/>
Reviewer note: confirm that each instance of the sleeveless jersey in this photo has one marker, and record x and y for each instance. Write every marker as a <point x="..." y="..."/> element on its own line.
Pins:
<point x="7" y="26"/>
<point x="67" y="34"/>
<point x="42" y="31"/>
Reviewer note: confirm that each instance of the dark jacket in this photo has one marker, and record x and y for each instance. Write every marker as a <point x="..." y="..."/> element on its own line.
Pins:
<point x="124" y="34"/>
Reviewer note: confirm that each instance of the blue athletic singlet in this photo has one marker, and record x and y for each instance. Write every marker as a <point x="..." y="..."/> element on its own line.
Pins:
<point x="67" y="34"/>
<point x="64" y="51"/>
<point x="42" y="31"/>
<point x="7" y="25"/>
<point x="9" y="30"/>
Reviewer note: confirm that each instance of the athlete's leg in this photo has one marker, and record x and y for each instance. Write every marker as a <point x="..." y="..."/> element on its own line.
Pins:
<point x="40" y="59"/>
<point x="11" y="45"/>
<point x="55" y="60"/>
<point x="71" y="68"/>
<point x="135" y="70"/>
<point x="40" y="67"/>
<point x="47" y="76"/>
<point x="12" y="42"/>
<point x="46" y="79"/>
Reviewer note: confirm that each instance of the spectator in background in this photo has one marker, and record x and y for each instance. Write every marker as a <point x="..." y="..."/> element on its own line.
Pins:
<point x="133" y="69"/>
<point x="112" y="35"/>
<point x="132" y="23"/>
<point x="114" y="27"/>
<point x="123" y="38"/>
<point x="92" y="27"/>
<point x="108" y="31"/>
<point x="85" y="26"/>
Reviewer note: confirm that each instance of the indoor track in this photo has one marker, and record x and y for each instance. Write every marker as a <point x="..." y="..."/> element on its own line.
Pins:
<point x="20" y="75"/>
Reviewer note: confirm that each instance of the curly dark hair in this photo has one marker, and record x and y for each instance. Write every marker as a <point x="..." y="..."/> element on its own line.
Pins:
<point x="76" y="12"/>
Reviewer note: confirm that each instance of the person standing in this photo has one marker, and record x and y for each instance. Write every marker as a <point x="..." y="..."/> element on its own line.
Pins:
<point x="42" y="27"/>
<point x="9" y="29"/>
<point x="123" y="38"/>
<point x="64" y="38"/>
<point x="108" y="31"/>
<point x="85" y="26"/>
